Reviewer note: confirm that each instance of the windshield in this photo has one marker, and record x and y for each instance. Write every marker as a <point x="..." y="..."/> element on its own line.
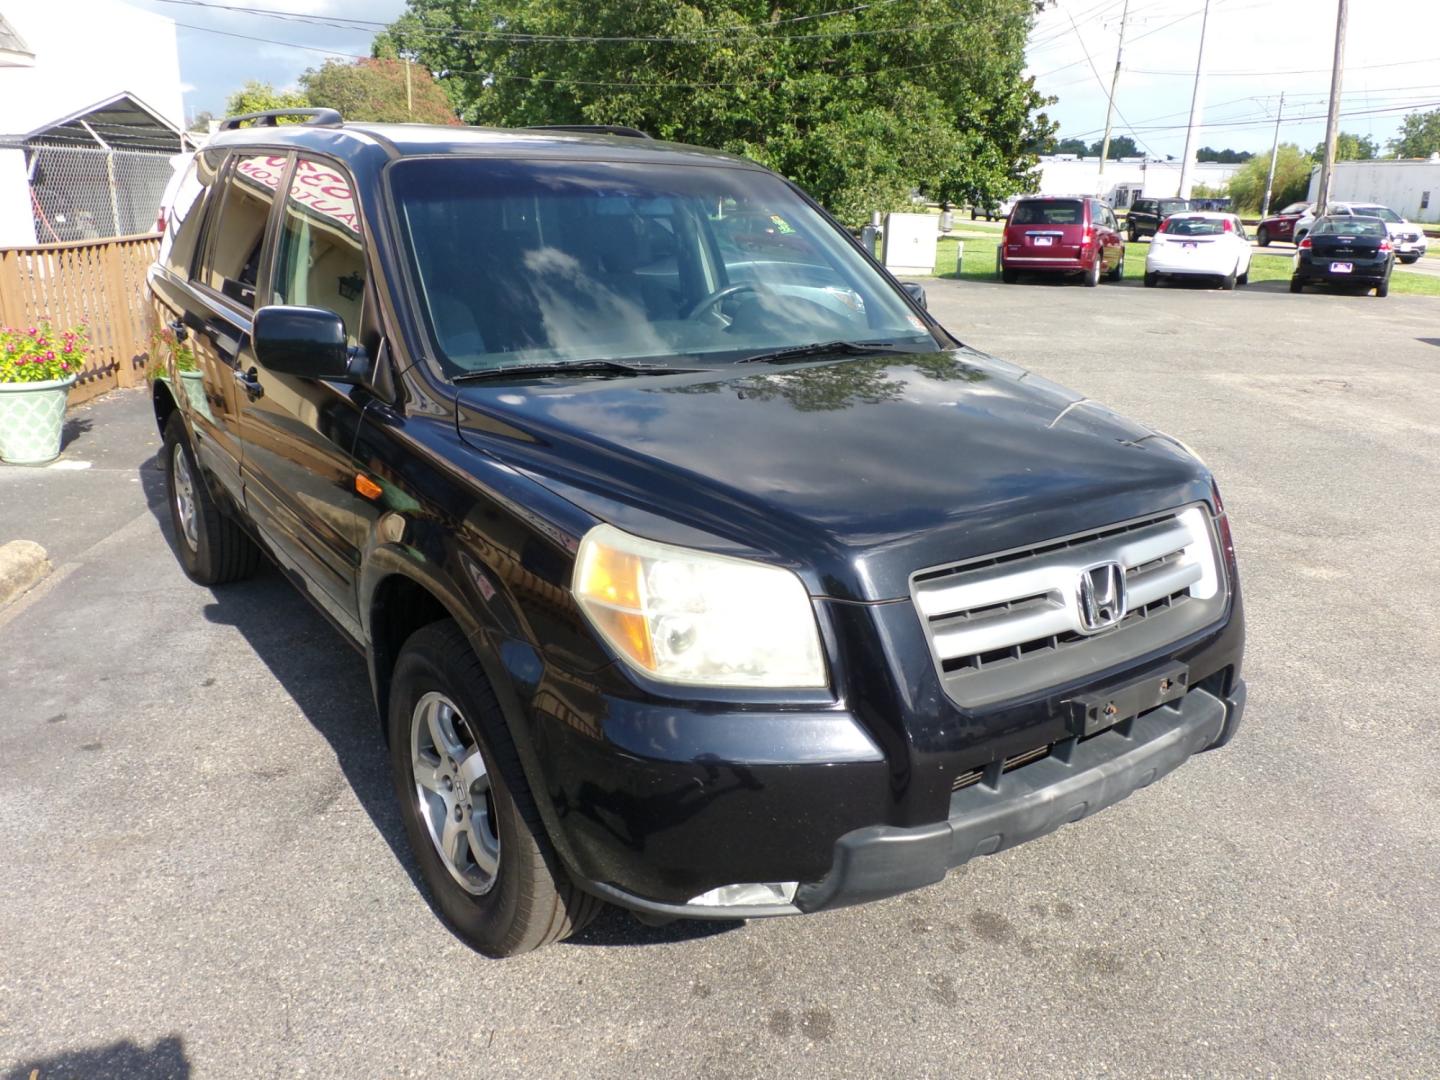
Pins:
<point x="1384" y="213"/>
<point x="1192" y="226"/>
<point x="1348" y="226"/>
<point x="1049" y="212"/>
<point x="538" y="262"/>
<point x="1173" y="206"/>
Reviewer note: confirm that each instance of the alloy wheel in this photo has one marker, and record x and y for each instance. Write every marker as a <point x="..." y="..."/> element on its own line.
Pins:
<point x="187" y="510"/>
<point x="453" y="793"/>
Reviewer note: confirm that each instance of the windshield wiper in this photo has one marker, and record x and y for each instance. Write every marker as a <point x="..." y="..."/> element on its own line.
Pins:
<point x="573" y="367"/>
<point x="820" y="348"/>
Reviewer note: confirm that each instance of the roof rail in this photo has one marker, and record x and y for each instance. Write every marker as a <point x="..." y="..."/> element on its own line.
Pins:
<point x="271" y="118"/>
<point x="596" y="129"/>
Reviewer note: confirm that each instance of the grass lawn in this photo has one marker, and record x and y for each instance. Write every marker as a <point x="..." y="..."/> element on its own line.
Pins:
<point x="980" y="265"/>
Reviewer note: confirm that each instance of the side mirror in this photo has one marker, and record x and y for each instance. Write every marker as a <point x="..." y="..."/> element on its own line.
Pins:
<point x="917" y="293"/>
<point x="304" y="341"/>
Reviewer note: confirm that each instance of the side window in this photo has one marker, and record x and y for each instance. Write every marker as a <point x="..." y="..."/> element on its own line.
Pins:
<point x="231" y="265"/>
<point x="186" y="211"/>
<point x="321" y="260"/>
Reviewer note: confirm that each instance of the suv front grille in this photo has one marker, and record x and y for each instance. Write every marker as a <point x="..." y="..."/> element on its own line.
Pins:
<point x="1008" y="624"/>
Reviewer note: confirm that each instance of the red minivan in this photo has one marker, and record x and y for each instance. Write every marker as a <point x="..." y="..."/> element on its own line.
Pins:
<point x="1061" y="234"/>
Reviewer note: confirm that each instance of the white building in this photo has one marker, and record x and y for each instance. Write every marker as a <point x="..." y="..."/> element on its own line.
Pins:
<point x="91" y="110"/>
<point x="1126" y="179"/>
<point x="1410" y="187"/>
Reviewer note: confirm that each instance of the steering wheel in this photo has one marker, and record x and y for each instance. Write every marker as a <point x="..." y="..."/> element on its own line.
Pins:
<point x="700" y="307"/>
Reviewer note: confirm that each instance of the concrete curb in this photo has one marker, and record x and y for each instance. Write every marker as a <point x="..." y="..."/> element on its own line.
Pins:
<point x="23" y="564"/>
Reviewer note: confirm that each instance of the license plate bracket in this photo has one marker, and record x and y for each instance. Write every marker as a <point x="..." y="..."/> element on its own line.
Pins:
<point x="1043" y="241"/>
<point x="1094" y="712"/>
<point x="1341" y="267"/>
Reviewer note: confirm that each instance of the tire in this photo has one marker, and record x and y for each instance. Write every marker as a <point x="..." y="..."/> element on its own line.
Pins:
<point x="1383" y="289"/>
<point x="1134" y="235"/>
<point x="1262" y="236"/>
<point x="1228" y="281"/>
<point x="1244" y="279"/>
<point x="1118" y="273"/>
<point x="212" y="547"/>
<point x="1092" y="276"/>
<point x="1408" y="259"/>
<point x="1151" y="279"/>
<point x="507" y="892"/>
<point x="1296" y="284"/>
<point x="1010" y="277"/>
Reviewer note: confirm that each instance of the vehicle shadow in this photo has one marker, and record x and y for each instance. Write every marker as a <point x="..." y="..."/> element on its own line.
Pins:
<point x="166" y="1060"/>
<point x="329" y="683"/>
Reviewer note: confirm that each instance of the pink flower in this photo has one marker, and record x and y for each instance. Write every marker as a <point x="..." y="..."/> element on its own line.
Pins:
<point x="50" y="355"/>
<point x="32" y="331"/>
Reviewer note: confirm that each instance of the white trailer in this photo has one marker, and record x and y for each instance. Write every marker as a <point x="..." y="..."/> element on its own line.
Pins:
<point x="1411" y="188"/>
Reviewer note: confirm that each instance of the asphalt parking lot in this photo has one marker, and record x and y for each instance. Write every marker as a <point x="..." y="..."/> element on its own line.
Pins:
<point x="205" y="876"/>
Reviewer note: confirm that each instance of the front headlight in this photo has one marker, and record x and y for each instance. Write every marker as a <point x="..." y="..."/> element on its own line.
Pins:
<point x="685" y="616"/>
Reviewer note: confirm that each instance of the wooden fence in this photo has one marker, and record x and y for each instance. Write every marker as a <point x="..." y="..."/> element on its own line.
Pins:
<point x="98" y="282"/>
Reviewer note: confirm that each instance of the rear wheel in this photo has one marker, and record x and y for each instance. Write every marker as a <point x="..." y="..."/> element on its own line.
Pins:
<point x="1408" y="259"/>
<point x="213" y="549"/>
<point x="468" y="812"/>
<point x="1383" y="289"/>
<point x="1134" y="235"/>
<point x="1262" y="236"/>
<point x="1117" y="273"/>
<point x="1228" y="281"/>
<point x="1151" y="279"/>
<point x="1296" y="284"/>
<point x="1244" y="279"/>
<point x="1092" y="275"/>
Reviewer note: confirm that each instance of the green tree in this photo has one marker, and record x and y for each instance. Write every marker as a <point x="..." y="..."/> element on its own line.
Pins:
<point x="1349" y="147"/>
<point x="1070" y="146"/>
<point x="1292" y="179"/>
<point x="261" y="97"/>
<point x="1225" y="157"/>
<point x="1121" y="146"/>
<point x="861" y="106"/>
<point x="1419" y="135"/>
<point x="375" y="90"/>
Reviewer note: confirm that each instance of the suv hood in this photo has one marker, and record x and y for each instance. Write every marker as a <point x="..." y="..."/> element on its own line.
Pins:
<point x="855" y="473"/>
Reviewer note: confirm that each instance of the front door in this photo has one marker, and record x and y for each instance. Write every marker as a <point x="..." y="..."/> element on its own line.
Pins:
<point x="299" y="434"/>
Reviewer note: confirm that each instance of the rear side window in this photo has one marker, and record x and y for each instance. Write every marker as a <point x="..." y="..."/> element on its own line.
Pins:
<point x="182" y="223"/>
<point x="320" y="256"/>
<point x="1049" y="212"/>
<point x="231" y="265"/>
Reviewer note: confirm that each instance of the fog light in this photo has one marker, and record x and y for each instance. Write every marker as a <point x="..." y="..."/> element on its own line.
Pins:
<point x="749" y="894"/>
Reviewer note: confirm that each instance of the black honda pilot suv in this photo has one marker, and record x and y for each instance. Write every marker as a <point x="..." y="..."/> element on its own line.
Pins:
<point x="697" y="568"/>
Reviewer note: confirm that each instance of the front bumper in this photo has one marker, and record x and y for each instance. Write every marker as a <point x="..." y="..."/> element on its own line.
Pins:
<point x="1079" y="778"/>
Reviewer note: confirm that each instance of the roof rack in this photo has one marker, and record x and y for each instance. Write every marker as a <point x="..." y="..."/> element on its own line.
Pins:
<point x="596" y="129"/>
<point x="271" y="118"/>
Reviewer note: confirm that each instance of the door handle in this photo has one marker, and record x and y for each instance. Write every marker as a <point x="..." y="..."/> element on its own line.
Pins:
<point x="250" y="382"/>
<point x="179" y="329"/>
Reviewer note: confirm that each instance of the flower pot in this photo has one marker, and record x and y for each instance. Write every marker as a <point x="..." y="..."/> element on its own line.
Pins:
<point x="32" y="415"/>
<point x="194" y="384"/>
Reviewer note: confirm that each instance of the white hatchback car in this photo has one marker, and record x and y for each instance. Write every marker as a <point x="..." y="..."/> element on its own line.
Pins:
<point x="1199" y="244"/>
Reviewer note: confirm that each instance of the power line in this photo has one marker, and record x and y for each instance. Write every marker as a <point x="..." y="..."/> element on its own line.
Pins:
<point x="516" y="37"/>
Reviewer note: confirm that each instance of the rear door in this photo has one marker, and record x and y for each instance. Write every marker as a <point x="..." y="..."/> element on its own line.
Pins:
<point x="299" y="473"/>
<point x="1048" y="229"/>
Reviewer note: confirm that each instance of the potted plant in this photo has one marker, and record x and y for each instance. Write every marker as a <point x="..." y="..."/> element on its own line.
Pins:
<point x="172" y="359"/>
<point x="37" y="368"/>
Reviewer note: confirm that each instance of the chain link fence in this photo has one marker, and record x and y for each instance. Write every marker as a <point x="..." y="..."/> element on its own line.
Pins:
<point x="91" y="193"/>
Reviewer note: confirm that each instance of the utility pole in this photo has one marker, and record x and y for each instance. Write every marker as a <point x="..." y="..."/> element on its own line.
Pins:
<point x="1332" y="121"/>
<point x="1110" y="108"/>
<point x="1195" y="109"/>
<point x="1274" y="151"/>
<point x="409" y="94"/>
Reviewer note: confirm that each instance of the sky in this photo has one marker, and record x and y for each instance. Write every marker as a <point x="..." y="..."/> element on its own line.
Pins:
<point x="1255" y="50"/>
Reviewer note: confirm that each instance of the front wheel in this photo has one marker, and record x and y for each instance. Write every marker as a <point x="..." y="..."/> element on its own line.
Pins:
<point x="468" y="811"/>
<point x="1262" y="237"/>
<point x="1408" y="259"/>
<point x="213" y="549"/>
<point x="1134" y="235"/>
